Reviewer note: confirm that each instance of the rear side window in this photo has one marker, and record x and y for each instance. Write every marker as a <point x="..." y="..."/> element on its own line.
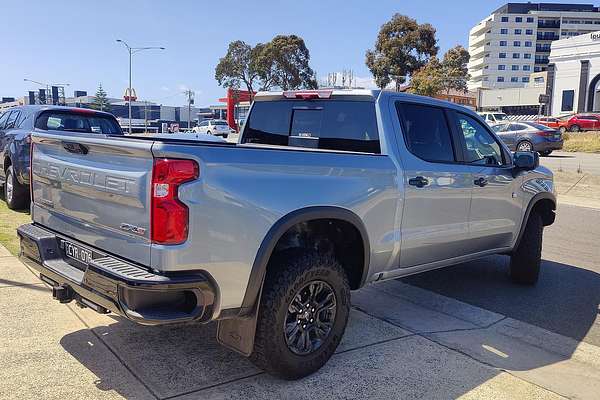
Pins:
<point x="12" y="118"/>
<point x="78" y="122"/>
<point x="426" y="132"/>
<point x="324" y="124"/>
<point x="3" y="119"/>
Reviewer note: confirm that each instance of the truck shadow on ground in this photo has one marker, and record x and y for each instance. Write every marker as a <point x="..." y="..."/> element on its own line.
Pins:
<point x="186" y="359"/>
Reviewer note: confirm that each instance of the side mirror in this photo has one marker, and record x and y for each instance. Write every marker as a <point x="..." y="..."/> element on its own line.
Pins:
<point x="526" y="160"/>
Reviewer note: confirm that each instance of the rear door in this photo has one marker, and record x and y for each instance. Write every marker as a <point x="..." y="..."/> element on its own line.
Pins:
<point x="437" y="187"/>
<point x="4" y="132"/>
<point x="91" y="187"/>
<point x="506" y="134"/>
<point x="495" y="206"/>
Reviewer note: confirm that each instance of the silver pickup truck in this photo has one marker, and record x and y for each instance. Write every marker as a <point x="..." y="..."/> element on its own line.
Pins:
<point x="325" y="192"/>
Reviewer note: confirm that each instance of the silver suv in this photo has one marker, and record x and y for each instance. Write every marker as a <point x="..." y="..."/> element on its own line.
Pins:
<point x="326" y="191"/>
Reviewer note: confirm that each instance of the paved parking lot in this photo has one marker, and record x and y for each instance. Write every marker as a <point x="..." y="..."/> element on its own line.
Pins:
<point x="462" y="332"/>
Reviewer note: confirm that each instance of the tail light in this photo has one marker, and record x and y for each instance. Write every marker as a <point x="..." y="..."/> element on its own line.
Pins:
<point x="545" y="133"/>
<point x="307" y="94"/>
<point x="169" y="216"/>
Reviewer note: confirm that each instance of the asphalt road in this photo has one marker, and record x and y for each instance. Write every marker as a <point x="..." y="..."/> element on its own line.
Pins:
<point x="567" y="297"/>
<point x="570" y="162"/>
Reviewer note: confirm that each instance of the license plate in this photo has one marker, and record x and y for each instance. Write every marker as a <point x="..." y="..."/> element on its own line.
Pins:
<point x="77" y="252"/>
<point x="557" y="136"/>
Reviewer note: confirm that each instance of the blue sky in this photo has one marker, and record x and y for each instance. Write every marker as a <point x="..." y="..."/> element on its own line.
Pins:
<point x="74" y="41"/>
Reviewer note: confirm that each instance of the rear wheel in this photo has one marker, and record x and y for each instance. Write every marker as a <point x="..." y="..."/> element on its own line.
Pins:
<point x="208" y="133"/>
<point x="525" y="146"/>
<point x="526" y="259"/>
<point x="575" y="128"/>
<point x="303" y="313"/>
<point x="16" y="194"/>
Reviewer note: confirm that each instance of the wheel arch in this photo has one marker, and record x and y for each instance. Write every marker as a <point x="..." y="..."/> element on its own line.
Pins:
<point x="543" y="203"/>
<point x="281" y="227"/>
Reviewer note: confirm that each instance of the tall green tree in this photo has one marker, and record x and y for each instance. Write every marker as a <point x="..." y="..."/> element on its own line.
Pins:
<point x="403" y="46"/>
<point x="101" y="100"/>
<point x="429" y="79"/>
<point x="455" y="71"/>
<point x="284" y="63"/>
<point x="281" y="63"/>
<point x="238" y="66"/>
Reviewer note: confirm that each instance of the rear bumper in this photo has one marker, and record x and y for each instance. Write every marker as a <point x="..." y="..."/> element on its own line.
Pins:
<point x="548" y="145"/>
<point x="109" y="284"/>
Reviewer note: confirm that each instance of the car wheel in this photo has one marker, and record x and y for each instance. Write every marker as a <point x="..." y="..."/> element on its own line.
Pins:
<point x="16" y="194"/>
<point x="575" y="128"/>
<point x="545" y="153"/>
<point x="525" y="146"/>
<point x="526" y="259"/>
<point x="208" y="133"/>
<point x="562" y="129"/>
<point x="303" y="313"/>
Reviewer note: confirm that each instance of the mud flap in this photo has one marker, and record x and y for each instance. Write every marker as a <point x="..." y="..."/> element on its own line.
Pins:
<point x="237" y="334"/>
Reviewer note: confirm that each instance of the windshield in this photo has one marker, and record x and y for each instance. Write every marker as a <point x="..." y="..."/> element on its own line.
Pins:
<point x="500" y="117"/>
<point x="78" y="122"/>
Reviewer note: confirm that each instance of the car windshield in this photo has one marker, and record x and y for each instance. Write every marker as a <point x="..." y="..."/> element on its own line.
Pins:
<point x="539" y="126"/>
<point x="500" y="117"/>
<point x="78" y="122"/>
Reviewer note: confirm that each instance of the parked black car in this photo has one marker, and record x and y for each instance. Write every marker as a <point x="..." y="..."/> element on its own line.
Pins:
<point x="16" y="125"/>
<point x="529" y="136"/>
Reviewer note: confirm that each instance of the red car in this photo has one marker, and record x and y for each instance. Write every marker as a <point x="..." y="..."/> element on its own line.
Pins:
<point x="581" y="122"/>
<point x="550" y="122"/>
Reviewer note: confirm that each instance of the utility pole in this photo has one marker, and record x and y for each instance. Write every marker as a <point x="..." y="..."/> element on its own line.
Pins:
<point x="131" y="51"/>
<point x="190" y="99"/>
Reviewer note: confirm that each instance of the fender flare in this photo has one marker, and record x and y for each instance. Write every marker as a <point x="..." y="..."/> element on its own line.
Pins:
<point x="259" y="267"/>
<point x="534" y="200"/>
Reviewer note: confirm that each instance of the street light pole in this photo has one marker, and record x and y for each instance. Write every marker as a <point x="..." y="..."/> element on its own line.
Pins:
<point x="131" y="51"/>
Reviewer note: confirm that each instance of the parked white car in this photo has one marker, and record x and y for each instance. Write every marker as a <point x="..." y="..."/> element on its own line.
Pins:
<point x="217" y="127"/>
<point x="493" y="118"/>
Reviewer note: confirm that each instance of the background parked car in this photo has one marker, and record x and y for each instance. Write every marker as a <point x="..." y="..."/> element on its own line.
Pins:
<point x="529" y="136"/>
<point x="493" y="118"/>
<point x="215" y="127"/>
<point x="16" y="126"/>
<point x="581" y="122"/>
<point x="550" y="122"/>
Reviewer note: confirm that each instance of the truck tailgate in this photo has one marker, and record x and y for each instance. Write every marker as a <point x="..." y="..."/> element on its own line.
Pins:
<point x="95" y="190"/>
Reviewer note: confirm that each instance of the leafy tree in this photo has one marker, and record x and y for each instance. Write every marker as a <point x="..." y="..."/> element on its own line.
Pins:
<point x="238" y="66"/>
<point x="284" y="63"/>
<point x="101" y="100"/>
<point x="403" y="46"/>
<point x="428" y="80"/>
<point x="454" y="66"/>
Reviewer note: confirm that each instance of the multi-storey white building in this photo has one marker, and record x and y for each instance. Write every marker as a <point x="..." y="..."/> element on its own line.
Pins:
<point x="514" y="41"/>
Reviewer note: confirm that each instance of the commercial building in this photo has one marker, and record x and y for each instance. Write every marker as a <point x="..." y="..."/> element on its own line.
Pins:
<point x="515" y="40"/>
<point x="574" y="75"/>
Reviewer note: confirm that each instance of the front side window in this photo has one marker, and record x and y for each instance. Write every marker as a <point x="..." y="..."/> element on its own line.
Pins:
<point x="426" y="132"/>
<point x="480" y="147"/>
<point x="12" y="118"/>
<point x="3" y="119"/>
<point x="324" y="124"/>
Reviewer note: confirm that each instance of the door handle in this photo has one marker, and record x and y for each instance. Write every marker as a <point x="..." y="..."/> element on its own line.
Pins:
<point x="419" y="182"/>
<point x="481" y="182"/>
<point x="74" y="147"/>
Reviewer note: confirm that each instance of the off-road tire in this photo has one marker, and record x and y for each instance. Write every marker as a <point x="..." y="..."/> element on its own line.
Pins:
<point x="19" y="198"/>
<point x="526" y="259"/>
<point x="286" y="276"/>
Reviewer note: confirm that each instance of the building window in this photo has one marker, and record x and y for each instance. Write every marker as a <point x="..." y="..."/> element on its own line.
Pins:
<point x="515" y="67"/>
<point x="528" y="44"/>
<point x="518" y="31"/>
<point x="501" y="67"/>
<point x="519" y="19"/>
<point x="526" y="67"/>
<point x="503" y="43"/>
<point x="529" y="31"/>
<point x="504" y="31"/>
<point x="525" y="79"/>
<point x="527" y="56"/>
<point x="529" y="19"/>
<point x="502" y="55"/>
<point x="537" y="69"/>
<point x="500" y="79"/>
<point x="504" y="19"/>
<point x="517" y="43"/>
<point x="514" y="79"/>
<point x="516" y="55"/>
<point x="568" y="96"/>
